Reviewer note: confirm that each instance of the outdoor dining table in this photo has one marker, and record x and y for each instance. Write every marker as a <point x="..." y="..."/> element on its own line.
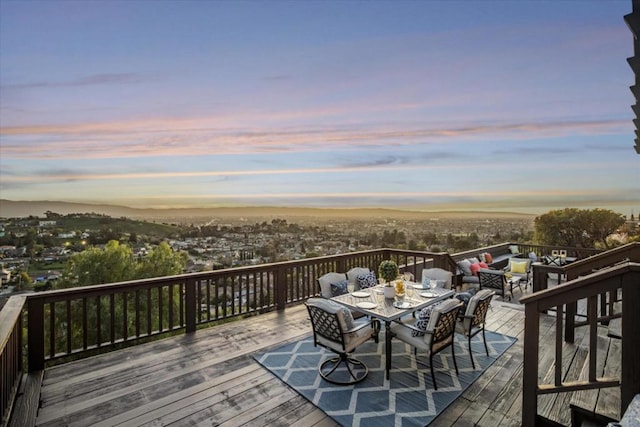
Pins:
<point x="365" y="301"/>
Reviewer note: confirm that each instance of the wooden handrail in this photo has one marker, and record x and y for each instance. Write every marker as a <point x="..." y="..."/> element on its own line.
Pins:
<point x="623" y="276"/>
<point x="628" y="252"/>
<point x="10" y="354"/>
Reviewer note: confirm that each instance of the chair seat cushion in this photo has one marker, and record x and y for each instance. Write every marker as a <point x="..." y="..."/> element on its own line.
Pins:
<point x="405" y="334"/>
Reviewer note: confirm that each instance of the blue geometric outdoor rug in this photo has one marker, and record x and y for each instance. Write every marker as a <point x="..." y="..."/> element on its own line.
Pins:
<point x="407" y="399"/>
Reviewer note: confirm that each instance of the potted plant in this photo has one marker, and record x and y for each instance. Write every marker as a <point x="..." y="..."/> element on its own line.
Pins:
<point x="388" y="270"/>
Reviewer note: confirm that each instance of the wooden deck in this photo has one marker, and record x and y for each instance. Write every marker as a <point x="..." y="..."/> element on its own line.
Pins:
<point x="210" y="378"/>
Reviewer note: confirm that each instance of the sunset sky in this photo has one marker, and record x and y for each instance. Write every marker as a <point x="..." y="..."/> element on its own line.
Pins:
<point x="518" y="105"/>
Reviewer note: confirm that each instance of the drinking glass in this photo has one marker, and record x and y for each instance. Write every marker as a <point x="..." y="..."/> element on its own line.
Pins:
<point x="351" y="287"/>
<point x="380" y="297"/>
<point x="407" y="276"/>
<point x="409" y="291"/>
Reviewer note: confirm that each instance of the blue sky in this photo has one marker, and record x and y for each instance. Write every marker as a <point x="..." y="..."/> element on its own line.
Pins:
<point x="433" y="105"/>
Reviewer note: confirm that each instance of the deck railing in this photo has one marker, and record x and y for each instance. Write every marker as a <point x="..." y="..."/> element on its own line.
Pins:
<point x="85" y="320"/>
<point x="79" y="322"/>
<point x="624" y="278"/>
<point x="10" y="354"/>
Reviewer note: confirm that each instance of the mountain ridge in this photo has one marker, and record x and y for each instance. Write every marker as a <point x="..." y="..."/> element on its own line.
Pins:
<point x="19" y="209"/>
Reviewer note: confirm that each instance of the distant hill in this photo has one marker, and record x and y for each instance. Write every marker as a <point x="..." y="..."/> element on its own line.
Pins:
<point x="18" y="209"/>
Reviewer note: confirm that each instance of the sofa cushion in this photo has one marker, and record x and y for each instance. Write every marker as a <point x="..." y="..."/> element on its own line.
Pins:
<point x="465" y="266"/>
<point x="488" y="258"/>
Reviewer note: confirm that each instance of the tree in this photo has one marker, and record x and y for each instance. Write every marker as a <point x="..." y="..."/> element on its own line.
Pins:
<point x="577" y="227"/>
<point x="161" y="261"/>
<point x="95" y="266"/>
<point x="116" y="263"/>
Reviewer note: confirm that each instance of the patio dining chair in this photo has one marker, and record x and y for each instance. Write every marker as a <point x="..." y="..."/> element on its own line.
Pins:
<point x="438" y="274"/>
<point x="495" y="280"/>
<point x="474" y="319"/>
<point x="335" y="330"/>
<point x="438" y="335"/>
<point x="326" y="280"/>
<point x="520" y="267"/>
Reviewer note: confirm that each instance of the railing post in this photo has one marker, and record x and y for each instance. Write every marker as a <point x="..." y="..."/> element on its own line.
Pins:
<point x="570" y="322"/>
<point x="190" y="309"/>
<point x="35" y="339"/>
<point x="630" y="339"/>
<point x="281" y="288"/>
<point x="530" y="365"/>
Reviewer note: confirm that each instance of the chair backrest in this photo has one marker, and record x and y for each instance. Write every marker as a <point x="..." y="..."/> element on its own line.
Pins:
<point x="326" y="280"/>
<point x="492" y="279"/>
<point x="325" y="322"/>
<point x="438" y="274"/>
<point x="443" y="323"/>
<point x="552" y="260"/>
<point x="355" y="272"/>
<point x="477" y="309"/>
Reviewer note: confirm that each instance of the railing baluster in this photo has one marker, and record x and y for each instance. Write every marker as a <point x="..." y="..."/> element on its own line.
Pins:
<point x="84" y="324"/>
<point x="160" y="309"/>
<point x="191" y="311"/>
<point x="137" y="310"/>
<point x="112" y="320"/>
<point x="69" y="334"/>
<point x="125" y="317"/>
<point x="98" y="323"/>
<point x="149" y="312"/>
<point x="592" y="313"/>
<point x="170" y="287"/>
<point x="182" y="291"/>
<point x="558" y="364"/>
<point x="52" y="330"/>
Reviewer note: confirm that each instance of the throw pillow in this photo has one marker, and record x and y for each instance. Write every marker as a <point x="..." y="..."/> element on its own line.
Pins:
<point x="475" y="268"/>
<point x="514" y="249"/>
<point x="423" y="320"/>
<point x="366" y="280"/>
<point x="519" y="267"/>
<point x="465" y="297"/>
<point x="483" y="257"/>
<point x="465" y="267"/>
<point x="346" y="319"/>
<point x="488" y="257"/>
<point x="339" y="288"/>
<point x="483" y="264"/>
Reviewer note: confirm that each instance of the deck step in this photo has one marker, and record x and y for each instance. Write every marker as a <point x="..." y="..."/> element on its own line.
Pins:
<point x="27" y="401"/>
<point x="600" y="406"/>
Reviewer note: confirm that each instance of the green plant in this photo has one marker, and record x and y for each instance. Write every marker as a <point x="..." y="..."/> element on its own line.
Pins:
<point x="388" y="270"/>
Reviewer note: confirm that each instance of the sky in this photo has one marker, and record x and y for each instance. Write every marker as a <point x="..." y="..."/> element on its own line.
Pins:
<point x="511" y="105"/>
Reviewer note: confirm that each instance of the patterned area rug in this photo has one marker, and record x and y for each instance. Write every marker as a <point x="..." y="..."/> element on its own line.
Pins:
<point x="407" y="399"/>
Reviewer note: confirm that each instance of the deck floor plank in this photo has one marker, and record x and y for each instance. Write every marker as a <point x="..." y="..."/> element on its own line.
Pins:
<point x="210" y="378"/>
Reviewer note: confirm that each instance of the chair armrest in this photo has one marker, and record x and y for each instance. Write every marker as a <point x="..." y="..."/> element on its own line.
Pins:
<point x="406" y="325"/>
<point x="356" y="328"/>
